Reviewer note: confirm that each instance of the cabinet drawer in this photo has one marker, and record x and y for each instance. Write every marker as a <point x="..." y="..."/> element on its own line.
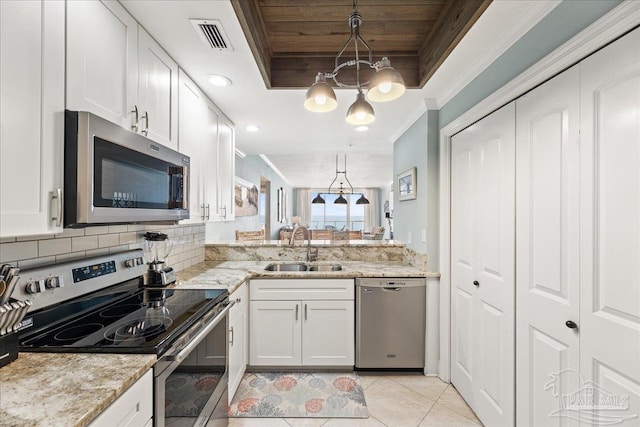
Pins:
<point x="301" y="289"/>
<point x="133" y="408"/>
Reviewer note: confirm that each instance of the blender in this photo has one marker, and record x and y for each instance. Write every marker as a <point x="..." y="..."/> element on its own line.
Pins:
<point x="157" y="247"/>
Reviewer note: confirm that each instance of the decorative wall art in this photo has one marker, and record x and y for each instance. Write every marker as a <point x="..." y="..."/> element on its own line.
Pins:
<point x="246" y="197"/>
<point x="407" y="185"/>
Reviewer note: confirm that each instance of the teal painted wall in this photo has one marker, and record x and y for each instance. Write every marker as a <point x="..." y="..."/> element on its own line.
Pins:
<point x="561" y="24"/>
<point x="251" y="168"/>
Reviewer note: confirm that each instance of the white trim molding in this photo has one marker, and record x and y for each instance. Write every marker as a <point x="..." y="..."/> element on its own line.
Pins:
<point x="606" y="29"/>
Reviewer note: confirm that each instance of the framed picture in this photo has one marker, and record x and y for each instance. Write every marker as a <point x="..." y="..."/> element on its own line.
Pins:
<point x="246" y="197"/>
<point x="407" y="185"/>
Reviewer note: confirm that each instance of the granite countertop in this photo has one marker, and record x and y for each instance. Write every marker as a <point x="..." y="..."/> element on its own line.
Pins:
<point x="231" y="274"/>
<point x="314" y="243"/>
<point x="64" y="389"/>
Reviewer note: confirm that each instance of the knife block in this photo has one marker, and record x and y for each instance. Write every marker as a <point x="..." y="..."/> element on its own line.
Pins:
<point x="8" y="348"/>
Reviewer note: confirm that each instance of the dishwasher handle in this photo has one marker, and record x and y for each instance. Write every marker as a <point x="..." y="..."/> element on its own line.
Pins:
<point x="391" y="289"/>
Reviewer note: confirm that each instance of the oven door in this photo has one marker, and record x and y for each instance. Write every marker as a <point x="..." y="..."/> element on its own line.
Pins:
<point x="191" y="378"/>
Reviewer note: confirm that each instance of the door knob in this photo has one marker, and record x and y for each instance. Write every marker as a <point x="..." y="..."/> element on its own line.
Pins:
<point x="476" y="283"/>
<point x="571" y="324"/>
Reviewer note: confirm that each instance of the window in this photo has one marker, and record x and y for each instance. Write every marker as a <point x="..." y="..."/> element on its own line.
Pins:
<point x="342" y="217"/>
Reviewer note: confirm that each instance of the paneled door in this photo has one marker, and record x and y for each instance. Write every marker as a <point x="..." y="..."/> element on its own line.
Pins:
<point x="547" y="244"/>
<point x="610" y="229"/>
<point x="482" y="266"/>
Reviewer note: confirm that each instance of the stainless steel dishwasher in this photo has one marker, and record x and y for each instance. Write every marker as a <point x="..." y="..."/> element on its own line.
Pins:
<point x="390" y="323"/>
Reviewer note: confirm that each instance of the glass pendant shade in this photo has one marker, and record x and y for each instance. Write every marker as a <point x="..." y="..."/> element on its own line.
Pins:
<point x="362" y="200"/>
<point x="318" y="199"/>
<point x="320" y="96"/>
<point x="341" y="200"/>
<point x="386" y="84"/>
<point x="360" y="112"/>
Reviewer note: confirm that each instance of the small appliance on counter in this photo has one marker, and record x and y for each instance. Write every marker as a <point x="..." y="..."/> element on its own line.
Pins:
<point x="157" y="247"/>
<point x="12" y="311"/>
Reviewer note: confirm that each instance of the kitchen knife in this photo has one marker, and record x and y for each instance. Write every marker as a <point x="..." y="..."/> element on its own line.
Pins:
<point x="18" y="317"/>
<point x="11" y="285"/>
<point x="4" y="270"/>
<point x="4" y="314"/>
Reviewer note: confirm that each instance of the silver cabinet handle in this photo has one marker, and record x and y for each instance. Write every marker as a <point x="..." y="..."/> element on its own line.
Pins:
<point x="231" y="336"/>
<point x="208" y="211"/>
<point x="58" y="197"/>
<point x="305" y="312"/>
<point x="203" y="216"/>
<point x="224" y="208"/>
<point x="134" y="126"/>
<point x="145" y="131"/>
<point x="296" y="311"/>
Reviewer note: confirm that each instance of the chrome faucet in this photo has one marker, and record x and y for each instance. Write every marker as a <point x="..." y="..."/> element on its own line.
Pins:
<point x="306" y="234"/>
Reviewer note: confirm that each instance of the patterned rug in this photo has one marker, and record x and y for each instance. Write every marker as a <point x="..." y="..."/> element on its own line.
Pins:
<point x="300" y="394"/>
<point x="188" y="392"/>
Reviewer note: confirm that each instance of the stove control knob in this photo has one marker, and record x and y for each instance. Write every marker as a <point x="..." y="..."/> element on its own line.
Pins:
<point x="54" y="282"/>
<point x="139" y="261"/>
<point x="35" y="287"/>
<point x="130" y="263"/>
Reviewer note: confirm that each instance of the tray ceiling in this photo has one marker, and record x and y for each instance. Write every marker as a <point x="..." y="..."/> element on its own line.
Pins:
<point x="294" y="40"/>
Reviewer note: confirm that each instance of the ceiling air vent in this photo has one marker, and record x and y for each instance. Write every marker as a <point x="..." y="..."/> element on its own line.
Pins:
<point x="212" y="33"/>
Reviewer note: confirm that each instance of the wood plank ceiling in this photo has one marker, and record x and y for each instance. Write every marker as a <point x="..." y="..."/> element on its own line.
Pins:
<point x="293" y="40"/>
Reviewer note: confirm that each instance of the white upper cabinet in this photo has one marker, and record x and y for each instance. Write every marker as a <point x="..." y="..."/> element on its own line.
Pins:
<point x="157" y="92"/>
<point x="192" y="142"/>
<point x="31" y="116"/>
<point x="102" y="60"/>
<point x="117" y="71"/>
<point x="226" y="171"/>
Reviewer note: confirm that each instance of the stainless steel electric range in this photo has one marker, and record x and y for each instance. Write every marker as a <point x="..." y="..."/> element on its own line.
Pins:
<point x="101" y="305"/>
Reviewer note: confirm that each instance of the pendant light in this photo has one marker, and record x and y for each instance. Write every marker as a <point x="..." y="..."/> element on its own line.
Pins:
<point x="386" y="84"/>
<point x="340" y="200"/>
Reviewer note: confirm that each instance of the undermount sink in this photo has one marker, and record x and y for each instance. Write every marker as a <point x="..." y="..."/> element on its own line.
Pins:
<point x="299" y="266"/>
<point x="325" y="267"/>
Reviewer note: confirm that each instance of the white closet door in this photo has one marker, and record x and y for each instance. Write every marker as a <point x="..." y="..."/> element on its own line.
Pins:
<point x="547" y="244"/>
<point x="482" y="272"/>
<point x="610" y="226"/>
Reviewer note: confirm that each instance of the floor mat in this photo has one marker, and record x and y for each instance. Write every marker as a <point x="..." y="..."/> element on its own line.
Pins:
<point x="299" y="394"/>
<point x="188" y="392"/>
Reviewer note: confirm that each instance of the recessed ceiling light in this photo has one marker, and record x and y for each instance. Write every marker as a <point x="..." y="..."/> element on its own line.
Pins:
<point x="252" y="128"/>
<point x="219" y="80"/>
<point x="362" y="128"/>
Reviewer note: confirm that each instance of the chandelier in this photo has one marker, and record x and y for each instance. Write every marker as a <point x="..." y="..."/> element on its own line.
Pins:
<point x="341" y="200"/>
<point x="385" y="85"/>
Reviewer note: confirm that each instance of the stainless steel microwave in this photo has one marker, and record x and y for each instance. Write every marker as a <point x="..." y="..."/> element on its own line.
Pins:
<point x="113" y="175"/>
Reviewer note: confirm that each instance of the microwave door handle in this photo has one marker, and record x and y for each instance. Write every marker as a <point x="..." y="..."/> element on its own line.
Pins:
<point x="181" y="172"/>
<point x="201" y="335"/>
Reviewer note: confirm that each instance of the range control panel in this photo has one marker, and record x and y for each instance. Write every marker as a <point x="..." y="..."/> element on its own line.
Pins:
<point x="51" y="284"/>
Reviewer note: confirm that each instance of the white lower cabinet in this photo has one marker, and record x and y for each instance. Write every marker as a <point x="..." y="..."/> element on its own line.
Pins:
<point x="134" y="408"/>
<point x="238" y="338"/>
<point x="307" y="322"/>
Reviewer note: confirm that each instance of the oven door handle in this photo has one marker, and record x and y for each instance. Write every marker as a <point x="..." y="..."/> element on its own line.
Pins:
<point x="201" y="335"/>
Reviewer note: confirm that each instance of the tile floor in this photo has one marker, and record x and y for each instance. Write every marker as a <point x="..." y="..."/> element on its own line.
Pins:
<point x="393" y="401"/>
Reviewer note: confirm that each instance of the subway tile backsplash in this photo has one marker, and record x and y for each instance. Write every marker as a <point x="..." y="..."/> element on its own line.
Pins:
<point x="29" y="251"/>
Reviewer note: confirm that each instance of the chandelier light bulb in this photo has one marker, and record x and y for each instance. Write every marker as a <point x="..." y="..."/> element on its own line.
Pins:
<point x="320" y="97"/>
<point x="360" y="112"/>
<point x="386" y="84"/>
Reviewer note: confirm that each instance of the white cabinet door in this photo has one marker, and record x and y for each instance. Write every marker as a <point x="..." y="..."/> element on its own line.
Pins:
<point x="102" y="60"/>
<point x="226" y="171"/>
<point x="192" y="132"/>
<point x="328" y="337"/>
<point x="275" y="338"/>
<point x="157" y="92"/>
<point x="134" y="408"/>
<point x="610" y="226"/>
<point x="547" y="244"/>
<point x="31" y="116"/>
<point x="210" y="160"/>
<point x="238" y="338"/>
<point x="482" y="266"/>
